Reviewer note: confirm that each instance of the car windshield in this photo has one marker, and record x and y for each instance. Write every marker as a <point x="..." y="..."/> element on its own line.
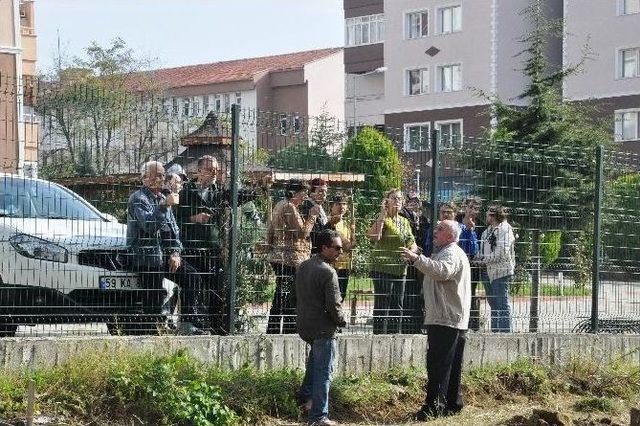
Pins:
<point x="28" y="198"/>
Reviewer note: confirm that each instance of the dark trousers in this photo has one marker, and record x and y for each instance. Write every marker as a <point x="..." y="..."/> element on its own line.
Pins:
<point x="444" y="369"/>
<point x="282" y="315"/>
<point x="207" y="264"/>
<point x="194" y="309"/>
<point x="388" y="302"/>
<point x="343" y="281"/>
<point x="474" y="318"/>
<point x="413" y="314"/>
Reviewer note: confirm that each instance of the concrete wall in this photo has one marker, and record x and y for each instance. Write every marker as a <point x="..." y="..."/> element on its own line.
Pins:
<point x="325" y="86"/>
<point x="356" y="354"/>
<point x="7" y="27"/>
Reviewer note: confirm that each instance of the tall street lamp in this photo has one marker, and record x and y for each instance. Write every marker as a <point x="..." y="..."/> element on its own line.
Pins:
<point x="355" y="80"/>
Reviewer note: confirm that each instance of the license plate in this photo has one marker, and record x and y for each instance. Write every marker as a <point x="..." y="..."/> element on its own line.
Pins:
<point x="113" y="283"/>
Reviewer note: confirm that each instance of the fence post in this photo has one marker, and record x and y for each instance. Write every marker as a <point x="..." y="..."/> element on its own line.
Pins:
<point x="534" y="307"/>
<point x="434" y="179"/>
<point x="597" y="224"/>
<point x="233" y="231"/>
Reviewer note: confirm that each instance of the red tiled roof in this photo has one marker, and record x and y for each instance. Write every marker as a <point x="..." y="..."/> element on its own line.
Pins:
<point x="235" y="70"/>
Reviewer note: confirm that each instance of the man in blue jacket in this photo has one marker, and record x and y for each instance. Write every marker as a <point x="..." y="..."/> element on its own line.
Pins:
<point x="153" y="238"/>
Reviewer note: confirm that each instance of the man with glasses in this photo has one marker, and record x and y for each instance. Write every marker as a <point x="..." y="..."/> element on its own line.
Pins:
<point x="319" y="316"/>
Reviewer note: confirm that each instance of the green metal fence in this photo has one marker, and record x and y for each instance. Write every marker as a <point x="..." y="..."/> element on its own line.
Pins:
<point x="66" y="265"/>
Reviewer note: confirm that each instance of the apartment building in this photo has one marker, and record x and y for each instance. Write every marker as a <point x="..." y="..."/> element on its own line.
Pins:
<point x="417" y="65"/>
<point x="611" y="75"/>
<point x="18" y="126"/>
<point x="285" y="89"/>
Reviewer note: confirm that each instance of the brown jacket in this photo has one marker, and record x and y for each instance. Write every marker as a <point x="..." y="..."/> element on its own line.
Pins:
<point x="319" y="313"/>
<point x="288" y="235"/>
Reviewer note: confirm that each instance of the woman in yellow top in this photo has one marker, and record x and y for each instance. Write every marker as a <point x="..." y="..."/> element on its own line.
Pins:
<point x="389" y="233"/>
<point x="339" y="206"/>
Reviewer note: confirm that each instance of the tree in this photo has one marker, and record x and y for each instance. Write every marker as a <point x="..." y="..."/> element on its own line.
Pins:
<point x="540" y="158"/>
<point x="97" y="119"/>
<point x="372" y="154"/>
<point x="320" y="152"/>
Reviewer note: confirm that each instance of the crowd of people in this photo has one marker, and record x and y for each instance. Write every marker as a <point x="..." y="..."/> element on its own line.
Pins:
<point x="176" y="231"/>
<point x="425" y="276"/>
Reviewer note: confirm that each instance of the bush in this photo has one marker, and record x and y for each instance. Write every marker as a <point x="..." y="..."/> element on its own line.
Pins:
<point x="550" y="245"/>
<point x="373" y="154"/>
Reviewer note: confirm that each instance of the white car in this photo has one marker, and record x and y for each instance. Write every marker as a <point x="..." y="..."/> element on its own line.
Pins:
<point x="62" y="261"/>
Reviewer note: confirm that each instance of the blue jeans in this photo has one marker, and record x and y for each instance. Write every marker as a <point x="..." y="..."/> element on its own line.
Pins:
<point x="317" y="377"/>
<point x="498" y="298"/>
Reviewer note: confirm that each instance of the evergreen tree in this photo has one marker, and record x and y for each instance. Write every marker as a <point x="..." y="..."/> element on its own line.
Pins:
<point x="540" y="158"/>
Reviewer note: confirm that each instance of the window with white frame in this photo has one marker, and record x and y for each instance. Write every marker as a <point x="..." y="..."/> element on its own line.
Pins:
<point x="417" y="24"/>
<point x="417" y="81"/>
<point x="218" y="103"/>
<point x="284" y="124"/>
<point x="449" y="78"/>
<point x="238" y="98"/>
<point x="227" y="102"/>
<point x="195" y="110"/>
<point x="205" y="105"/>
<point x="450" y="133"/>
<point x="628" y="7"/>
<point x="416" y="137"/>
<point x="629" y="62"/>
<point x="174" y="107"/>
<point x="627" y="125"/>
<point x="186" y="107"/>
<point x="363" y="30"/>
<point x="449" y="19"/>
<point x="297" y="124"/>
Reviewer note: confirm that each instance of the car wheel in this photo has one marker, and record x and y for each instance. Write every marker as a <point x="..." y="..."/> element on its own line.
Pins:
<point x="8" y="330"/>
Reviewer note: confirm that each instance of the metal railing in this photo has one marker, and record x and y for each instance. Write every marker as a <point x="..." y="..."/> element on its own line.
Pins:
<point x="68" y="266"/>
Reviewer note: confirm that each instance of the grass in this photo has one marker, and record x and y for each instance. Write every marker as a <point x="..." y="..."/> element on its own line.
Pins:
<point x="126" y="388"/>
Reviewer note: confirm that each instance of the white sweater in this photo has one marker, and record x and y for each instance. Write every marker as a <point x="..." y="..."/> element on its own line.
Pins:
<point x="499" y="258"/>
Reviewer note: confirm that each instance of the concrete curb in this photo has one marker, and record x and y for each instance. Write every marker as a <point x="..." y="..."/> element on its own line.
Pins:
<point x="356" y="354"/>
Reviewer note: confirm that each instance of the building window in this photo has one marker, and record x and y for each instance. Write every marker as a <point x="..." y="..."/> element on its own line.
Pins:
<point x="450" y="133"/>
<point x="363" y="30"/>
<point x="195" y="110"/>
<point x="205" y="104"/>
<point x="416" y="137"/>
<point x="626" y="125"/>
<point x="449" y="78"/>
<point x="284" y="124"/>
<point x="629" y="62"/>
<point x="417" y="24"/>
<point x="174" y="107"/>
<point x="227" y="102"/>
<point x="297" y="124"/>
<point x="218" y="103"/>
<point x="418" y="81"/>
<point x="450" y="19"/>
<point x="628" y="7"/>
<point x="185" y="107"/>
<point x="238" y="98"/>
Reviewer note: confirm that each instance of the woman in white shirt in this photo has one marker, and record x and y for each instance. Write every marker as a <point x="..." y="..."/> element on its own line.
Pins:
<point x="497" y="254"/>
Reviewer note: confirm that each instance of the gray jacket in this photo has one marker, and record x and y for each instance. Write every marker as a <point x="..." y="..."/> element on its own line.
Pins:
<point x="152" y="231"/>
<point x="318" y="300"/>
<point x="447" y="287"/>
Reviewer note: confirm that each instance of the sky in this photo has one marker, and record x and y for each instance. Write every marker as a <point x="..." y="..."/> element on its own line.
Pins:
<point x="184" y="32"/>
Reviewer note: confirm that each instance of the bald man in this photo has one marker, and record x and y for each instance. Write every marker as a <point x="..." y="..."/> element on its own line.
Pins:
<point x="447" y="302"/>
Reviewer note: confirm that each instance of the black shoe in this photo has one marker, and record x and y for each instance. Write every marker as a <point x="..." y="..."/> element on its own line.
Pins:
<point x="425" y="413"/>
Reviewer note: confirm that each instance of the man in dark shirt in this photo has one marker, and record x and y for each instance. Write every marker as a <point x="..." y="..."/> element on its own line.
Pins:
<point x="203" y="216"/>
<point x="153" y="238"/>
<point x="317" y="197"/>
<point x="318" y="317"/>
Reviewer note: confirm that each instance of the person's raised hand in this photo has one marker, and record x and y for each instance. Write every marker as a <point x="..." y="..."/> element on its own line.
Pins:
<point x="408" y="254"/>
